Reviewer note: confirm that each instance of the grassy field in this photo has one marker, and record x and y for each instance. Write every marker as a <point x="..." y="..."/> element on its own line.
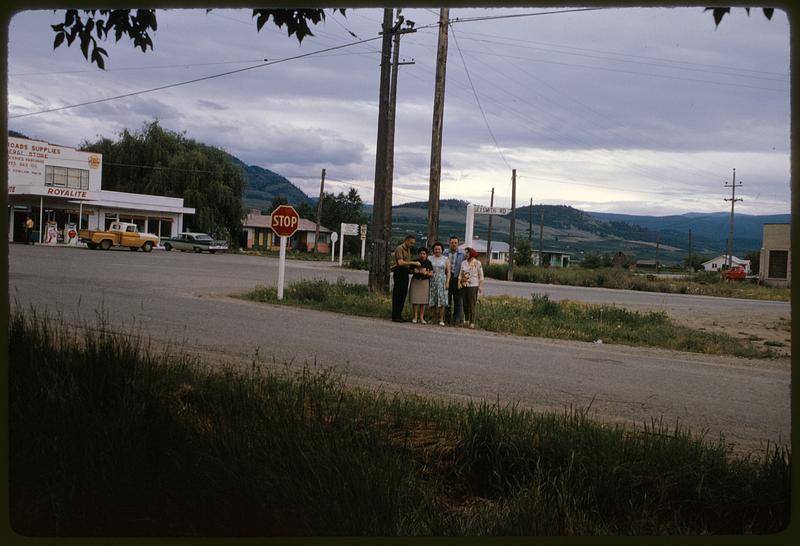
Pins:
<point x="706" y="284"/>
<point x="537" y="317"/>
<point x="109" y="436"/>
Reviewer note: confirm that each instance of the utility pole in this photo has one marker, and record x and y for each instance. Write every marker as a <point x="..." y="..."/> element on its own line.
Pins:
<point x="691" y="266"/>
<point x="511" y="227"/>
<point x="319" y="210"/>
<point x="438" y="122"/>
<point x="541" y="235"/>
<point x="489" y="236"/>
<point x="379" y="258"/>
<point x="658" y="237"/>
<point x="733" y="200"/>
<point x="396" y="32"/>
<point x="530" y="224"/>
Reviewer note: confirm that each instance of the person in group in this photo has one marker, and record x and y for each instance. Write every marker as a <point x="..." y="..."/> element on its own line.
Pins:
<point x="420" y="286"/>
<point x="401" y="262"/>
<point x="440" y="281"/>
<point x="455" y="313"/>
<point x="470" y="278"/>
<point x="29" y="231"/>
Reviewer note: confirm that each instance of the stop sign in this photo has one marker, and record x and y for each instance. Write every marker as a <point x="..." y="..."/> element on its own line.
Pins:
<point x="285" y="221"/>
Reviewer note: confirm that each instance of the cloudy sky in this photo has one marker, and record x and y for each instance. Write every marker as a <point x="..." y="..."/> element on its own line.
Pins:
<point x="630" y="110"/>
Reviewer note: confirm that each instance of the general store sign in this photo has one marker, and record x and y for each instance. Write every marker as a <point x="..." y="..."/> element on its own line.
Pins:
<point x="27" y="160"/>
<point x="502" y="211"/>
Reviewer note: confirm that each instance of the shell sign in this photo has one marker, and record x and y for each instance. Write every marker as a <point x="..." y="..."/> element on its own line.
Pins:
<point x="94" y="162"/>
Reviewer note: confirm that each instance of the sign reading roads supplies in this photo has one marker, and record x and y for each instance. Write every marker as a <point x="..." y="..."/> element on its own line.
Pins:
<point x="480" y="209"/>
<point x="285" y="221"/>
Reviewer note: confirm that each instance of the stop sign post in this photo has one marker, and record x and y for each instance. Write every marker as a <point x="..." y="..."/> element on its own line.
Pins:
<point x="284" y="221"/>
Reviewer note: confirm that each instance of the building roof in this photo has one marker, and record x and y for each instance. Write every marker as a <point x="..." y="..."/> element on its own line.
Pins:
<point x="255" y="219"/>
<point x="724" y="258"/>
<point x="480" y="245"/>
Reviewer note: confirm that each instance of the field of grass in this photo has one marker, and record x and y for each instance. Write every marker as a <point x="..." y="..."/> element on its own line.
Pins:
<point x="537" y="317"/>
<point x="109" y="436"/>
<point x="705" y="284"/>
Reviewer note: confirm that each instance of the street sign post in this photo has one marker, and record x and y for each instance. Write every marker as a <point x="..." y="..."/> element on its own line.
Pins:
<point x="502" y="211"/>
<point x="334" y="238"/>
<point x="363" y="240"/>
<point x="284" y="221"/>
<point x="347" y="229"/>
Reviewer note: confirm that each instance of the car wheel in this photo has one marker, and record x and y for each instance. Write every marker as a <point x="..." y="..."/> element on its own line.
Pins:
<point x="105" y="244"/>
<point x="147" y="246"/>
<point x="167" y="247"/>
<point x="198" y="249"/>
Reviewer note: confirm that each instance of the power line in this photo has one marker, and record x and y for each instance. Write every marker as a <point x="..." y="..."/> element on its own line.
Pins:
<point x="477" y="100"/>
<point x="269" y="63"/>
<point x="511" y="16"/>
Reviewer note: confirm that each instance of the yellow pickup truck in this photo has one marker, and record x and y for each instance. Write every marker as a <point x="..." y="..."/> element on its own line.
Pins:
<point x="118" y="234"/>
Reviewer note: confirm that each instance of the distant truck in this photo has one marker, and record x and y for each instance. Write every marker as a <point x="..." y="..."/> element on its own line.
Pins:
<point x="196" y="242"/>
<point x="118" y="234"/>
<point x="736" y="274"/>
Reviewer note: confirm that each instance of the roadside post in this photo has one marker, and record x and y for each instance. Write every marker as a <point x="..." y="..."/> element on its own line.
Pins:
<point x="347" y="229"/>
<point x="284" y="221"/>
<point x="363" y="239"/>
<point x="334" y="238"/>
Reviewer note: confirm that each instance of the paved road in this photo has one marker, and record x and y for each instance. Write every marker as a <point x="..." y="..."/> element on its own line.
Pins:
<point x="185" y="297"/>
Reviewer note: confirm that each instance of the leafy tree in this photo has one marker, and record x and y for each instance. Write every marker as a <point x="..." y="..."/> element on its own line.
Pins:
<point x="137" y="25"/>
<point x="523" y="254"/>
<point x="345" y="208"/>
<point x="696" y="262"/>
<point x="720" y="12"/>
<point x="306" y="211"/>
<point x="593" y="261"/>
<point x="157" y="161"/>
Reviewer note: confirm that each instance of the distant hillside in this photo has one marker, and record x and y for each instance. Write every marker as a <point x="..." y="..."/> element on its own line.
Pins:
<point x="263" y="185"/>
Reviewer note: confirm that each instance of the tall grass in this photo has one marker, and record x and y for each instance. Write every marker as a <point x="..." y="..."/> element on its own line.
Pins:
<point x="703" y="283"/>
<point x="537" y="317"/>
<point x="111" y="437"/>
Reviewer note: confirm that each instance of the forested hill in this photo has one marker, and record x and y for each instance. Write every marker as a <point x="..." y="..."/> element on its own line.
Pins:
<point x="264" y="185"/>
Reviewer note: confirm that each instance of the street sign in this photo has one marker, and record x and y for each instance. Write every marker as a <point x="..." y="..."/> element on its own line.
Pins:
<point x="334" y="237"/>
<point x="349" y="229"/>
<point x="285" y="221"/>
<point x="363" y="231"/>
<point x="480" y="209"/>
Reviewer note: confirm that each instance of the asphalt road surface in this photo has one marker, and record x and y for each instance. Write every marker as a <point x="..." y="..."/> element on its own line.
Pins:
<point x="185" y="298"/>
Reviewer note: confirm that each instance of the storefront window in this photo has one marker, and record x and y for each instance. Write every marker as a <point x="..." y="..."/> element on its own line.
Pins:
<point x="66" y="177"/>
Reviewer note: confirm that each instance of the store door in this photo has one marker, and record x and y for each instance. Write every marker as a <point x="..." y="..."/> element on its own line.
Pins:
<point x="20" y="216"/>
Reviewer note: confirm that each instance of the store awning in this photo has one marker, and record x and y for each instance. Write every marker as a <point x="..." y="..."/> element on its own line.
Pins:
<point x="134" y="206"/>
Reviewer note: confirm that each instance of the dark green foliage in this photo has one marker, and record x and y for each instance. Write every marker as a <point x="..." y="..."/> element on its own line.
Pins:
<point x="158" y="161"/>
<point x="523" y="254"/>
<point x="345" y="208"/>
<point x="110" y="437"/>
<point x="137" y="25"/>
<point x="695" y="262"/>
<point x="755" y="261"/>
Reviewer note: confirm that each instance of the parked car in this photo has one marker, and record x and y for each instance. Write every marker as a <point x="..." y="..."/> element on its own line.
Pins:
<point x="736" y="274"/>
<point x="118" y="234"/>
<point x="197" y="242"/>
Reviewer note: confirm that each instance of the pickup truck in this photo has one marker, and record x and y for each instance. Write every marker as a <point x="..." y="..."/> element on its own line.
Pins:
<point x="197" y="242"/>
<point x="118" y="234"/>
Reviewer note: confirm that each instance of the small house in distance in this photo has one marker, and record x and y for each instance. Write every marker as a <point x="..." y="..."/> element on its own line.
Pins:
<point x="259" y="234"/>
<point x="551" y="258"/>
<point x="648" y="265"/>
<point x="776" y="255"/>
<point x="499" y="251"/>
<point x="721" y="262"/>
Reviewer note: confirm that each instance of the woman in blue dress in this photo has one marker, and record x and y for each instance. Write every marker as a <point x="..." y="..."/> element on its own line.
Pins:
<point x="437" y="298"/>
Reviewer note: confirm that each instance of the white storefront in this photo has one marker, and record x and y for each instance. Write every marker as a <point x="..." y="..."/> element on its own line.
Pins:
<point x="60" y="188"/>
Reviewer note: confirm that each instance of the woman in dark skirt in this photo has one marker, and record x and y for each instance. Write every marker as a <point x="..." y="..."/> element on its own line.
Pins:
<point x="420" y="286"/>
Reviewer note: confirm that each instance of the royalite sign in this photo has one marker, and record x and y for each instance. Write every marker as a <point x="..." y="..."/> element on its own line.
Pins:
<point x="285" y="221"/>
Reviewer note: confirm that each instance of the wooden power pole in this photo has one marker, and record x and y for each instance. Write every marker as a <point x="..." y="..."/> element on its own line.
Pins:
<point x="691" y="265"/>
<point x="438" y="122"/>
<point x="733" y="200"/>
<point x="530" y="224"/>
<point x="541" y="235"/>
<point x="379" y="258"/>
<point x="489" y="235"/>
<point x="319" y="210"/>
<point x="511" y="227"/>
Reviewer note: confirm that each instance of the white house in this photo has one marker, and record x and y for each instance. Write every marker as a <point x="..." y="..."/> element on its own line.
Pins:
<point x="499" y="250"/>
<point x="60" y="189"/>
<point x="717" y="264"/>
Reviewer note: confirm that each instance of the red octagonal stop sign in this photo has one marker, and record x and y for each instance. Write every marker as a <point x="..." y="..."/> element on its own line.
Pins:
<point x="285" y="221"/>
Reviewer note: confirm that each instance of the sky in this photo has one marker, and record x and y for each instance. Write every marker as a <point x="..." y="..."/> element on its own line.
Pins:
<point x="625" y="110"/>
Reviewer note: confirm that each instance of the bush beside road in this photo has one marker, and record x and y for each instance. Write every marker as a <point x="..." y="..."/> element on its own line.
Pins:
<point x="109" y="436"/>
